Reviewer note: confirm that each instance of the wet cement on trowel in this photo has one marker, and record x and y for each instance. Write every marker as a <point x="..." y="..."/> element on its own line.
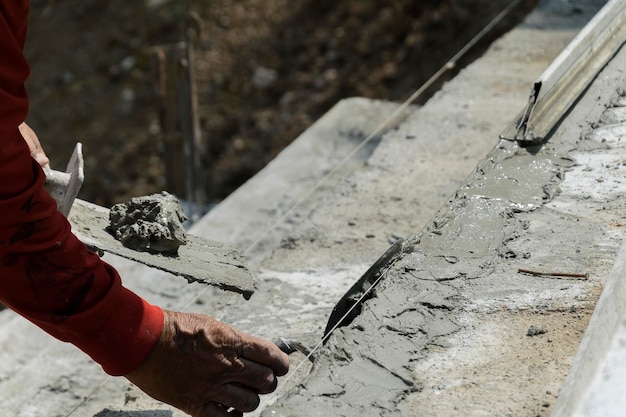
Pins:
<point x="198" y="260"/>
<point x="151" y="223"/>
<point x="496" y="222"/>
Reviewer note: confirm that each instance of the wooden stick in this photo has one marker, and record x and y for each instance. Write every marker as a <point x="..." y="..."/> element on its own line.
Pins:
<point x="554" y="274"/>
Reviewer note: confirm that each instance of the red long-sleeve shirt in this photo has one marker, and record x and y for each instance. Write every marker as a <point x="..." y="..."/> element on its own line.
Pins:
<point x="46" y="274"/>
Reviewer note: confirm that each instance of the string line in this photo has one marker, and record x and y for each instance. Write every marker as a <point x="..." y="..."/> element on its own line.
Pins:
<point x="447" y="66"/>
<point x="337" y="325"/>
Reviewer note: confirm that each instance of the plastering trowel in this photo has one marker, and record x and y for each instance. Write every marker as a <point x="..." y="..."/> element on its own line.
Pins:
<point x="199" y="260"/>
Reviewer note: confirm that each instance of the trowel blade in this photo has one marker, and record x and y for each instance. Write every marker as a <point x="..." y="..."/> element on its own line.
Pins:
<point x="200" y="260"/>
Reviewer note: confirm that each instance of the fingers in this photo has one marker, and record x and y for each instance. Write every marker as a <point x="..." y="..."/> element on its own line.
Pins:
<point x="208" y="368"/>
<point x="240" y="398"/>
<point x="241" y="344"/>
<point x="266" y="353"/>
<point x="245" y="383"/>
<point x="234" y="400"/>
<point x="257" y="377"/>
<point x="36" y="151"/>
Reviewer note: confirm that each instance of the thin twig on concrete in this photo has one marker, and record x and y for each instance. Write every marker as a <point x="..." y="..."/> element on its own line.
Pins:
<point x="554" y="274"/>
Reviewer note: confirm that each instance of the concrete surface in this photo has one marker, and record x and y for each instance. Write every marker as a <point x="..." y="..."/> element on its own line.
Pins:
<point x="596" y="382"/>
<point x="593" y="387"/>
<point x="330" y="149"/>
<point x="445" y="332"/>
<point x="447" y="328"/>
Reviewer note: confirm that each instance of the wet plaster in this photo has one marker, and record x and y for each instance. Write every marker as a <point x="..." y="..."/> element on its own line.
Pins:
<point x="151" y="223"/>
<point x="503" y="218"/>
<point x="366" y="365"/>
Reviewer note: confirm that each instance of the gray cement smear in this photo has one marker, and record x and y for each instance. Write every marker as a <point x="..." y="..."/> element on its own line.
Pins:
<point x="151" y="223"/>
<point x="366" y="366"/>
<point x="496" y="222"/>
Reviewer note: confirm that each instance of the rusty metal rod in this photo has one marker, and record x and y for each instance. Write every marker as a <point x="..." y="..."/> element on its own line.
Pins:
<point x="554" y="274"/>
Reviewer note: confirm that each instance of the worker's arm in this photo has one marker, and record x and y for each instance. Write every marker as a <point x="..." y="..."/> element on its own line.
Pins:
<point x="46" y="273"/>
<point x="48" y="276"/>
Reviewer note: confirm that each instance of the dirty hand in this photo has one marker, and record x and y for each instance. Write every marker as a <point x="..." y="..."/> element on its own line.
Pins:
<point x="205" y="367"/>
<point x="36" y="151"/>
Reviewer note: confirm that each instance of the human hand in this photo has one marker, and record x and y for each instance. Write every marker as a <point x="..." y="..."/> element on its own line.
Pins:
<point x="36" y="151"/>
<point x="205" y="367"/>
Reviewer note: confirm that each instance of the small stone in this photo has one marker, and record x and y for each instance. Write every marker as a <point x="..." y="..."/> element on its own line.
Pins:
<point x="264" y="77"/>
<point x="288" y="243"/>
<point x="536" y="331"/>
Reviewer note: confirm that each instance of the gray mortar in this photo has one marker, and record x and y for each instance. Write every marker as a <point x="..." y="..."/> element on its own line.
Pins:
<point x="491" y="226"/>
<point x="418" y="302"/>
<point x="151" y="223"/>
<point x="366" y="366"/>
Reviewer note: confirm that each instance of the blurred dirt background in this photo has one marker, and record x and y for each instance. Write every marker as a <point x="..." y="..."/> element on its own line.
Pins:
<point x="266" y="70"/>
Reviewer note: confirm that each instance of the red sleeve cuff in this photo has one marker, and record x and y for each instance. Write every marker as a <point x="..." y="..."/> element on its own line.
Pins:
<point x="128" y="336"/>
<point x="127" y="329"/>
<point x="118" y="331"/>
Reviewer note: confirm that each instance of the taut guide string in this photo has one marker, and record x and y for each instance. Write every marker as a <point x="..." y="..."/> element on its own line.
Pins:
<point x="274" y="395"/>
<point x="447" y="66"/>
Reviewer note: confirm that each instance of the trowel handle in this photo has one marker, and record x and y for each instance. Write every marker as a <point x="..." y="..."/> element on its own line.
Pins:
<point x="64" y="186"/>
<point x="56" y="178"/>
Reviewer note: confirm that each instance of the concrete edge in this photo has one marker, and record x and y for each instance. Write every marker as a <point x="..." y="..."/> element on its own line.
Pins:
<point x="245" y="214"/>
<point x="596" y="342"/>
